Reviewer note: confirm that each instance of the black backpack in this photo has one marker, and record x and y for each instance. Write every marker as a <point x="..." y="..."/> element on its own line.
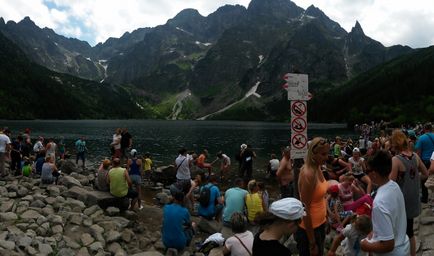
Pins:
<point x="205" y="195"/>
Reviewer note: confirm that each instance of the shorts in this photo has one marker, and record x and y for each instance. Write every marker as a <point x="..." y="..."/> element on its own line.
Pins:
<point x="136" y="179"/>
<point x="359" y="176"/>
<point x="184" y="185"/>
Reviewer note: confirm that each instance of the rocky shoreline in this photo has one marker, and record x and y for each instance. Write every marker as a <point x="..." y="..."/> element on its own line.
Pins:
<point x="66" y="219"/>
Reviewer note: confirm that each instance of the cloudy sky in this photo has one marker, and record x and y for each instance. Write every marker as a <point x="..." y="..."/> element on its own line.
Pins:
<point x="388" y="21"/>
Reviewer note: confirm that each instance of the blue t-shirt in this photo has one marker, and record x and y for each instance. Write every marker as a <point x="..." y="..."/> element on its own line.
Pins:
<point x="234" y="202"/>
<point x="210" y="211"/>
<point x="425" y="145"/>
<point x="175" y="217"/>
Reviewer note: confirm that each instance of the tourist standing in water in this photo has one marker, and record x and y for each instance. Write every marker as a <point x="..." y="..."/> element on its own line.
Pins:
<point x="284" y="174"/>
<point x="201" y="162"/>
<point x="225" y="164"/>
<point x="247" y="156"/>
<point x="126" y="142"/>
<point x="116" y="144"/>
<point x="313" y="188"/>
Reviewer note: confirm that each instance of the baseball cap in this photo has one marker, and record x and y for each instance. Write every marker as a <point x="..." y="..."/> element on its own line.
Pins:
<point x="133" y="152"/>
<point x="356" y="150"/>
<point x="288" y="209"/>
<point x="243" y="146"/>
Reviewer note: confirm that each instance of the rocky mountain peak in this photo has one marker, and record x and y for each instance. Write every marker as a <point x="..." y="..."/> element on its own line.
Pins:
<point x="187" y="14"/>
<point x="280" y="9"/>
<point x="314" y="11"/>
<point x="357" y="29"/>
<point x="27" y="22"/>
<point x="2" y="21"/>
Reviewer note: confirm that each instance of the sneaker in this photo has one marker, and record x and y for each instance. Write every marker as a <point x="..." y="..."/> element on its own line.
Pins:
<point x="141" y="207"/>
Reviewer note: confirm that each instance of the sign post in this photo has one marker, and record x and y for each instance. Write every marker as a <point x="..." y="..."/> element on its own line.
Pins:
<point x="298" y="94"/>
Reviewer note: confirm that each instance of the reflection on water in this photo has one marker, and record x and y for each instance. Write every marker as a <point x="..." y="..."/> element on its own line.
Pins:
<point x="163" y="138"/>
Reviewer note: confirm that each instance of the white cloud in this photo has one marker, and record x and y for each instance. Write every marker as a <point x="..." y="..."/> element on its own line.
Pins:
<point x="388" y="21"/>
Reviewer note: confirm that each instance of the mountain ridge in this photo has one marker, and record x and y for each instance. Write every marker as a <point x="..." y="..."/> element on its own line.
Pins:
<point x="218" y="58"/>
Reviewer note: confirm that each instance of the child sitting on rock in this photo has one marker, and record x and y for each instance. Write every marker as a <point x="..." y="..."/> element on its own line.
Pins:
<point x="351" y="236"/>
<point x="27" y="167"/>
<point x="338" y="217"/>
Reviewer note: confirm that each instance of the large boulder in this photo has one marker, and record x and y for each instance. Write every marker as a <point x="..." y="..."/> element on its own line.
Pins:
<point x="69" y="181"/>
<point x="164" y="174"/>
<point x="100" y="198"/>
<point x="69" y="167"/>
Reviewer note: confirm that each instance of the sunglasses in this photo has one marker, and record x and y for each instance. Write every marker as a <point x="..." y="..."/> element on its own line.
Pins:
<point x="321" y="142"/>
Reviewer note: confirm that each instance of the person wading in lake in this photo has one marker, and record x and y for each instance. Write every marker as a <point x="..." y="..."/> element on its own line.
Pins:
<point x="312" y="187"/>
<point x="126" y="142"/>
<point x="284" y="174"/>
<point x="116" y="144"/>
<point x="247" y="156"/>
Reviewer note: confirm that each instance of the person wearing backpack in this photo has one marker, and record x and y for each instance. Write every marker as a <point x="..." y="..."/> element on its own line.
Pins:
<point x="210" y="200"/>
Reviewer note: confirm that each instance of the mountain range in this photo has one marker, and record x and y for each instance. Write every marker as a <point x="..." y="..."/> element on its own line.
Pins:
<point x="227" y="65"/>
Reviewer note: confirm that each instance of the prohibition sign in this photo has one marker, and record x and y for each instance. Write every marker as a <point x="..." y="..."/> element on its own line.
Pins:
<point x="299" y="108"/>
<point x="299" y="141"/>
<point x="299" y="125"/>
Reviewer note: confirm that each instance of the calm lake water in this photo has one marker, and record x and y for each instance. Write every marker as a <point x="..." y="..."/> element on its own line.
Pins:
<point x="163" y="138"/>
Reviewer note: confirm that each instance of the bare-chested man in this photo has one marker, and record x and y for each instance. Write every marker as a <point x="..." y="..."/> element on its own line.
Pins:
<point x="284" y="174"/>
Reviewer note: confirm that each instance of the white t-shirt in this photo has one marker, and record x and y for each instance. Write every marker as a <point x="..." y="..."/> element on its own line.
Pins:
<point x="274" y="164"/>
<point x="357" y="167"/>
<point x="117" y="138"/>
<point x="389" y="220"/>
<point x="351" y="243"/>
<point x="182" y="164"/>
<point x="226" y="159"/>
<point x="38" y="146"/>
<point x="236" y="248"/>
<point x="432" y="156"/>
<point x="4" y="140"/>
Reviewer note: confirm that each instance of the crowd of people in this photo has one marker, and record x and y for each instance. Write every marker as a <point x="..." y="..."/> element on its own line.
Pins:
<point x="357" y="189"/>
<point x="367" y="191"/>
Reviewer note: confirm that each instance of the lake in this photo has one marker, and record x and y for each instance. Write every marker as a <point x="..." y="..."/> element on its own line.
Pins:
<point x="163" y="138"/>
